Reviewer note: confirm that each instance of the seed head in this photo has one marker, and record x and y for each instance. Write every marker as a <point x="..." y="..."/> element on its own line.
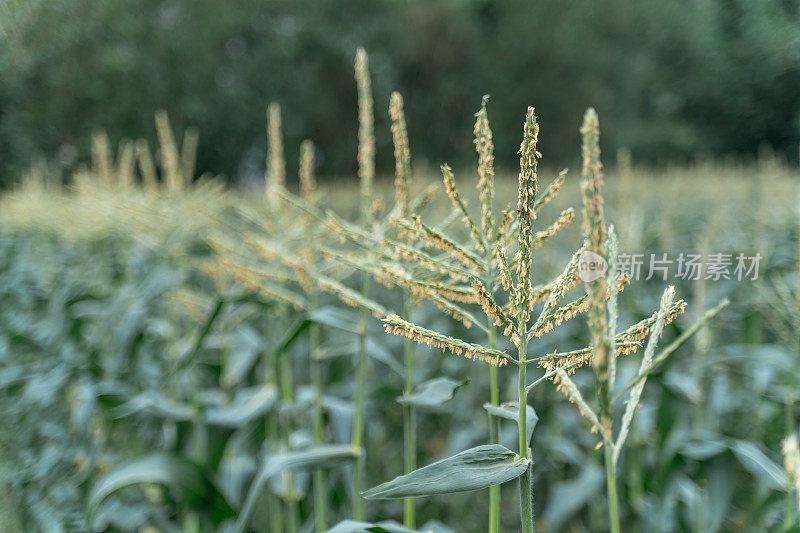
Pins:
<point x="308" y="184"/>
<point x="527" y="191"/>
<point x="594" y="229"/>
<point x="402" y="152"/>
<point x="276" y="164"/>
<point x="366" y="136"/>
<point x="169" y="150"/>
<point x="485" y="148"/>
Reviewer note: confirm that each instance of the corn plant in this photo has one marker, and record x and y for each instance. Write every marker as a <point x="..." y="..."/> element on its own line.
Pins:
<point x="310" y="212"/>
<point x="367" y="236"/>
<point x="481" y="272"/>
<point x="203" y="441"/>
<point x="276" y="267"/>
<point x="514" y="316"/>
<point x="602" y="317"/>
<point x="402" y="154"/>
<point x="276" y="273"/>
<point x="454" y="274"/>
<point x="366" y="171"/>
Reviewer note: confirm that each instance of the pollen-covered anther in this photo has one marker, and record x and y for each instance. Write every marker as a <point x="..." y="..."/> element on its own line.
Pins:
<point x="490" y="307"/>
<point x="566" y="217"/>
<point x="397" y="326"/>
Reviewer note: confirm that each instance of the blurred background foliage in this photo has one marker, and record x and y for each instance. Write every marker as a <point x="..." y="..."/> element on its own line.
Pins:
<point x="119" y="343"/>
<point x="670" y="79"/>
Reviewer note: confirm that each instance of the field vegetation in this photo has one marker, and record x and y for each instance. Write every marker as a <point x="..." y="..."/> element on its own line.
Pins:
<point x="406" y="352"/>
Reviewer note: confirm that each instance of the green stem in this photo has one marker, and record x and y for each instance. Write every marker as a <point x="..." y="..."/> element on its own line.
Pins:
<point x="494" y="438"/>
<point x="525" y="487"/>
<point x="790" y="518"/>
<point x="611" y="487"/>
<point x="701" y="344"/>
<point x="287" y="398"/>
<point x="293" y="516"/>
<point x="409" y="422"/>
<point x="320" y="499"/>
<point x="198" y="448"/>
<point x="358" y="417"/>
<point x="285" y="369"/>
<point x="199" y="444"/>
<point x="191" y="523"/>
<point x="275" y="514"/>
<point x="272" y="434"/>
<point x="700" y="512"/>
<point x="10" y="513"/>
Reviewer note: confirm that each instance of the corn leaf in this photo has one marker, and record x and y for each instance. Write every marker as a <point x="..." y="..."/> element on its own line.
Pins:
<point x="473" y="469"/>
<point x="510" y="411"/>
<point x="247" y="405"/>
<point x="353" y="526"/>
<point x="185" y="479"/>
<point x="768" y="472"/>
<point x="386" y="526"/>
<point x="321" y="456"/>
<point x="433" y="393"/>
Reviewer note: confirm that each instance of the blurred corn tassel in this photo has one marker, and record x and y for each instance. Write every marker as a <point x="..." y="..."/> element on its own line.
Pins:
<point x="594" y="229"/>
<point x="402" y="153"/>
<point x="366" y="136"/>
<point x="125" y="165"/>
<point x="191" y="138"/>
<point x="308" y="185"/>
<point x="275" y="178"/>
<point x="147" y="167"/>
<point x="170" y="156"/>
<point x="102" y="157"/>
<point x="485" y="148"/>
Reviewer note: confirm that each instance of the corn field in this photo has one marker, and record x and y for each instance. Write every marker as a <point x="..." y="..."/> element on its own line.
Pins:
<point x="423" y="352"/>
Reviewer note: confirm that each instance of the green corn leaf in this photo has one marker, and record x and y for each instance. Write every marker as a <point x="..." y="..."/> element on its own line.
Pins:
<point x="339" y="347"/>
<point x="202" y="334"/>
<point x="757" y="463"/>
<point x="702" y="446"/>
<point x="247" y="405"/>
<point x="185" y="479"/>
<point x="353" y="526"/>
<point x="571" y="495"/>
<point x="293" y="333"/>
<point x="336" y="317"/>
<point x="246" y="347"/>
<point x="321" y="456"/>
<point x="510" y="411"/>
<point x="154" y="404"/>
<point x="386" y="526"/>
<point x="473" y="469"/>
<point x="433" y="393"/>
